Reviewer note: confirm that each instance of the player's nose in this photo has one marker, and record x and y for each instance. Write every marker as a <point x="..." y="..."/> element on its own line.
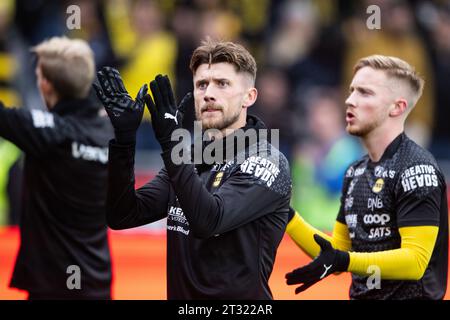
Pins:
<point x="350" y="101"/>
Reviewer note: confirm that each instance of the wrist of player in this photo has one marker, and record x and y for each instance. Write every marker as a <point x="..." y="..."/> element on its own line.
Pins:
<point x="125" y="137"/>
<point x="167" y="135"/>
<point x="338" y="260"/>
<point x="342" y="261"/>
<point x="169" y="141"/>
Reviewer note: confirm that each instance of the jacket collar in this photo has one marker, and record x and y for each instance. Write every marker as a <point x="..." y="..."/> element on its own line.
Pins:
<point x="85" y="106"/>
<point x="252" y="123"/>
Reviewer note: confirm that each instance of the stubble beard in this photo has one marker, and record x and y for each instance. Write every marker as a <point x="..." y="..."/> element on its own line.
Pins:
<point x="220" y="124"/>
<point x="365" y="129"/>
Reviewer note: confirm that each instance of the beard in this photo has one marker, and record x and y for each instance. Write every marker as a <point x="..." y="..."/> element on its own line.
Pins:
<point x="218" y="122"/>
<point x="364" y="129"/>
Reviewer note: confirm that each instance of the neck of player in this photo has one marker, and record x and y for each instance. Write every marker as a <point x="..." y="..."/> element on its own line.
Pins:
<point x="377" y="141"/>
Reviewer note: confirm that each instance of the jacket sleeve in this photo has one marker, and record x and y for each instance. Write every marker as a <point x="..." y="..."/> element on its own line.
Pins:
<point x="242" y="198"/>
<point x="33" y="131"/>
<point x="125" y="206"/>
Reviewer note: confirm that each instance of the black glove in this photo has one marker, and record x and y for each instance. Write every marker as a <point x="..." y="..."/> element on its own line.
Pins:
<point x="291" y="213"/>
<point x="166" y="116"/>
<point x="124" y="112"/>
<point x="327" y="262"/>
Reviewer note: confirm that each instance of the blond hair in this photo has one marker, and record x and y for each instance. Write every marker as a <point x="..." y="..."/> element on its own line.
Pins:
<point x="395" y="68"/>
<point x="68" y="64"/>
<point x="211" y="51"/>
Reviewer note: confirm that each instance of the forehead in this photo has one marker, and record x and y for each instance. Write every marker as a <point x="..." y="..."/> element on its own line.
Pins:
<point x="216" y="71"/>
<point x="368" y="76"/>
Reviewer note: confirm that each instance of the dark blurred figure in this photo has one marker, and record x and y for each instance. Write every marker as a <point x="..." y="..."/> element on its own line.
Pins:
<point x="307" y="44"/>
<point x="37" y="20"/>
<point x="273" y="106"/>
<point x="184" y="24"/>
<point x="62" y="225"/>
<point x="93" y="30"/>
<point x="440" y="49"/>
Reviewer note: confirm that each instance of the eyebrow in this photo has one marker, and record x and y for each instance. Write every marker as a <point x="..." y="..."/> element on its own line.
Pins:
<point x="361" y="87"/>
<point x="201" y="81"/>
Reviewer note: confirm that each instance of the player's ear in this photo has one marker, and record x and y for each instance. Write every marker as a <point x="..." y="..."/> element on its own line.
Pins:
<point x="250" y="97"/>
<point x="46" y="85"/>
<point x="400" y="106"/>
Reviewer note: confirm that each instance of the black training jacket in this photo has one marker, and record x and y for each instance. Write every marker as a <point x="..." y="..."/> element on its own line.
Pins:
<point x="224" y="220"/>
<point x="63" y="226"/>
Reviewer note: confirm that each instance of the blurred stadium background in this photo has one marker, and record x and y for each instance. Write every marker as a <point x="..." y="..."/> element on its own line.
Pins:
<point x="305" y="50"/>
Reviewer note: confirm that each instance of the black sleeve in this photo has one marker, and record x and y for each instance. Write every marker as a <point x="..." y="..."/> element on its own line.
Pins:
<point x="33" y="131"/>
<point x="240" y="199"/>
<point x="418" y="196"/>
<point x="125" y="206"/>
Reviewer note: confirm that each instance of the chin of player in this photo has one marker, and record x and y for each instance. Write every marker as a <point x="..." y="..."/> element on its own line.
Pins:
<point x="211" y="121"/>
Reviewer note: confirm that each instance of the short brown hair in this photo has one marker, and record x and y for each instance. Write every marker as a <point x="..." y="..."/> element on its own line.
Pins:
<point x="68" y="64"/>
<point x="211" y="51"/>
<point x="396" y="68"/>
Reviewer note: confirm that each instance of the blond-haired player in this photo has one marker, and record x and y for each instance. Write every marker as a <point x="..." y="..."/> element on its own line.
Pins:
<point x="64" y="252"/>
<point x="391" y="231"/>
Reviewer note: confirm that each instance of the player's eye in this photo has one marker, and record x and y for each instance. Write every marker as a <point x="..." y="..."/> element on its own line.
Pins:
<point x="202" y="85"/>
<point x="223" y="83"/>
<point x="363" y="92"/>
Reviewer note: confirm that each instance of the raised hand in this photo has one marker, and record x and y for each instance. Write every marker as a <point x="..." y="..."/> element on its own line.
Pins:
<point x="166" y="116"/>
<point x="124" y="112"/>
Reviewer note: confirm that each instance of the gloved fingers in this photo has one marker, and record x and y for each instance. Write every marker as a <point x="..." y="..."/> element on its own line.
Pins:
<point x="115" y="80"/>
<point x="299" y="279"/>
<point x="169" y="91"/>
<point x="105" y="83"/>
<point x="303" y="287"/>
<point x="164" y="89"/>
<point x="99" y="92"/>
<point x="294" y="280"/>
<point x="156" y="92"/>
<point x="111" y="108"/>
<point x="149" y="102"/>
<point x="151" y="107"/>
<point x="300" y="275"/>
<point x="291" y="213"/>
<point x="323" y="243"/>
<point x="307" y="269"/>
<point x="119" y="82"/>
<point x="142" y="93"/>
<point x="184" y="102"/>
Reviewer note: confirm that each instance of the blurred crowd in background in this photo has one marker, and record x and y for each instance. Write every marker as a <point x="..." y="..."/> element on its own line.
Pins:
<point x="305" y="51"/>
